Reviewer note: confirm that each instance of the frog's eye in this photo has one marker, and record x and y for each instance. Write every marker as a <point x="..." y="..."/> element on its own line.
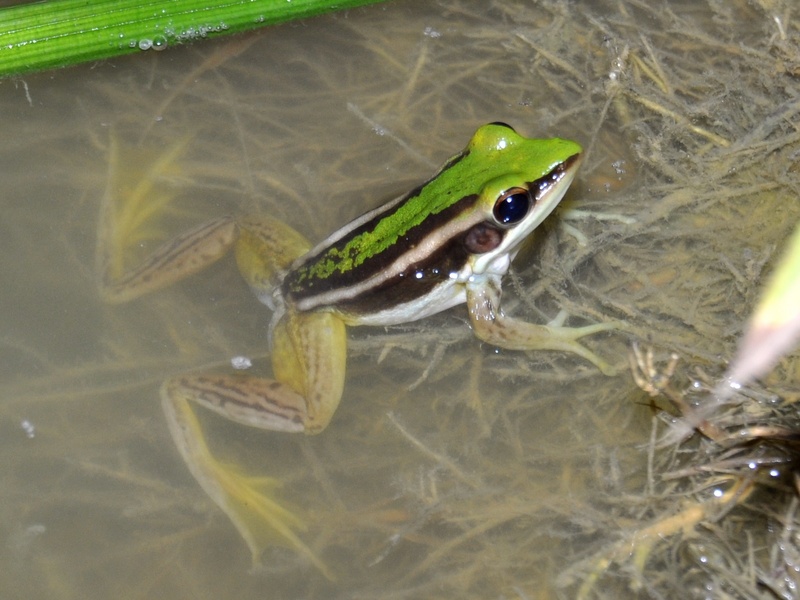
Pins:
<point x="501" y="124"/>
<point x="512" y="206"/>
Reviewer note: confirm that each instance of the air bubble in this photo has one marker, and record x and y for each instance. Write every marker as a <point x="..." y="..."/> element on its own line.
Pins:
<point x="145" y="44"/>
<point x="29" y="428"/>
<point x="159" y="43"/>
<point x="241" y="363"/>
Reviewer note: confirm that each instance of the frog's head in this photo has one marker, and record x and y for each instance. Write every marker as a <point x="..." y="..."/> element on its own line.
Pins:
<point x="518" y="181"/>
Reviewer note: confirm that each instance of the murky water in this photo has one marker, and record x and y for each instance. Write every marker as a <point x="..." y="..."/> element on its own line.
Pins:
<point x="451" y="469"/>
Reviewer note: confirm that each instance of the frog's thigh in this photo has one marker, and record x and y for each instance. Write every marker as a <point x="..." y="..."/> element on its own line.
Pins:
<point x="265" y="248"/>
<point x="309" y="355"/>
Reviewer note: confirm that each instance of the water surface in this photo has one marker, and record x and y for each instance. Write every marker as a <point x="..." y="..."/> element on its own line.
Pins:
<point x="451" y="469"/>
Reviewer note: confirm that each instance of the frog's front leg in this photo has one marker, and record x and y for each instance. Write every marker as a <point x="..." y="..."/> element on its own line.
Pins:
<point x="492" y="326"/>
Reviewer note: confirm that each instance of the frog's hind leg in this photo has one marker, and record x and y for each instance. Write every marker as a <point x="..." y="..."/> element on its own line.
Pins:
<point x="264" y="251"/>
<point x="133" y="200"/>
<point x="248" y="500"/>
<point x="309" y="354"/>
<point x="185" y="255"/>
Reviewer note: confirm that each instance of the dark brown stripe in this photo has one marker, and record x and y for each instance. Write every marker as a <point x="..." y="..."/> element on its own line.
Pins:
<point x="413" y="283"/>
<point x="297" y="286"/>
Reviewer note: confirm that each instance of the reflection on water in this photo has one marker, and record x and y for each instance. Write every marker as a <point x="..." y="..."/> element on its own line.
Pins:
<point x="450" y="469"/>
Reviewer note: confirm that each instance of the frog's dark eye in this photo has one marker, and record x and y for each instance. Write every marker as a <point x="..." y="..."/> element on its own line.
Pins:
<point x="512" y="206"/>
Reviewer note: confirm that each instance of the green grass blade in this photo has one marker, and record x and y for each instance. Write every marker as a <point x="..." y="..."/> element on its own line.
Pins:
<point x="58" y="33"/>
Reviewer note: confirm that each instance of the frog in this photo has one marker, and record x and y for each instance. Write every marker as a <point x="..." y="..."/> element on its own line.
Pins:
<point x="447" y="242"/>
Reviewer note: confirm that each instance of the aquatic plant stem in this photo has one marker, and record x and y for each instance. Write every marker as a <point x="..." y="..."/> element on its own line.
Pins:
<point x="58" y="33"/>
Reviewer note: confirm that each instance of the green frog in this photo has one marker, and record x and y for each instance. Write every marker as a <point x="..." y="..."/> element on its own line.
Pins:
<point x="448" y="241"/>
